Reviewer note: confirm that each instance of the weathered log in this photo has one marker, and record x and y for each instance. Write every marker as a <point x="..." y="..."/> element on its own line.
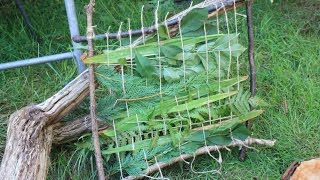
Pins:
<point x="33" y="129"/>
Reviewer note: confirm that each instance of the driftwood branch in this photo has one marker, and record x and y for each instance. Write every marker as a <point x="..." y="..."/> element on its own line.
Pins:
<point x="203" y="150"/>
<point x="31" y="132"/>
<point x="69" y="131"/>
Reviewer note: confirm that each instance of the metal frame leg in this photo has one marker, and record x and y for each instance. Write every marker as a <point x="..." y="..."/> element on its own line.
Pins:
<point x="74" y="31"/>
<point x="27" y="21"/>
<point x="39" y="60"/>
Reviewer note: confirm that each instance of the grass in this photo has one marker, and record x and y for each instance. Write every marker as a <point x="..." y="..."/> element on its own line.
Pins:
<point x="287" y="52"/>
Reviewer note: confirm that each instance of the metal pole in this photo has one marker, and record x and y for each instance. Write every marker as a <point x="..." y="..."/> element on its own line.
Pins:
<point x="27" y="21"/>
<point x="243" y="151"/>
<point x="39" y="60"/>
<point x="74" y="31"/>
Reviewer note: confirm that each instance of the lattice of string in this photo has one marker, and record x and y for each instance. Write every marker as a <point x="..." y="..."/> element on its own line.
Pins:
<point x="182" y="109"/>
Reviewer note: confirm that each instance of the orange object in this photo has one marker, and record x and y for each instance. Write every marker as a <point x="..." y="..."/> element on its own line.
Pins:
<point x="307" y="170"/>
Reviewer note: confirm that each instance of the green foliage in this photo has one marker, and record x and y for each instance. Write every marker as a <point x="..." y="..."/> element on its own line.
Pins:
<point x="293" y="75"/>
<point x="192" y="107"/>
<point x="194" y="20"/>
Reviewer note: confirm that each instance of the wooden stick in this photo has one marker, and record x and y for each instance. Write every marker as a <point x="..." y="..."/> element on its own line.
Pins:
<point x="95" y="134"/>
<point x="203" y="150"/>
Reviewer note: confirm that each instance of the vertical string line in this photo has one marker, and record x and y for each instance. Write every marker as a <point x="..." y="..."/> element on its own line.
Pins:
<point x="219" y="55"/>
<point x="159" y="51"/>
<point x="142" y="25"/>
<point x="108" y="48"/>
<point x="180" y="129"/>
<point x="119" y="34"/>
<point x="229" y="42"/>
<point x="117" y="145"/>
<point x="183" y="55"/>
<point x="236" y="29"/>
<point x="166" y="24"/>
<point x="130" y="46"/>
<point x="122" y="70"/>
<point x="207" y="69"/>
<point x="140" y="136"/>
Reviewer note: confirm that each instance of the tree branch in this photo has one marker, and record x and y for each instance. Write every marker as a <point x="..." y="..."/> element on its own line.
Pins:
<point x="173" y="21"/>
<point x="95" y="135"/>
<point x="203" y="150"/>
<point x="72" y="130"/>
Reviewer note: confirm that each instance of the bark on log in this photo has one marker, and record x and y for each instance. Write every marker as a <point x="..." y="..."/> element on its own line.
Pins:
<point x="33" y="129"/>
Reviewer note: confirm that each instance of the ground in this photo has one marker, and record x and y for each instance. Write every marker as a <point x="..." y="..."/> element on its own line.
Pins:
<point x="287" y="51"/>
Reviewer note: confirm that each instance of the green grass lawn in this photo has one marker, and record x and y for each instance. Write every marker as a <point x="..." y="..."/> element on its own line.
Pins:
<point x="287" y="52"/>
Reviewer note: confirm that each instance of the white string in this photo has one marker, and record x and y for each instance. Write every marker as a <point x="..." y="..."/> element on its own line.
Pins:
<point x="180" y="130"/>
<point x="118" y="154"/>
<point x="207" y="53"/>
<point x="219" y="160"/>
<point x="142" y="26"/>
<point x="219" y="55"/>
<point x="140" y="135"/>
<point x="237" y="58"/>
<point x="130" y="46"/>
<point x="183" y="55"/>
<point x="161" y="175"/>
<point x="207" y="69"/>
<point x="155" y="178"/>
<point x="229" y="43"/>
<point x="122" y="71"/>
<point x="159" y="52"/>
<point x="108" y="49"/>
<point x="241" y="143"/>
<point x="190" y="122"/>
<point x="119" y="34"/>
<point x="164" y="125"/>
<point x="166" y="24"/>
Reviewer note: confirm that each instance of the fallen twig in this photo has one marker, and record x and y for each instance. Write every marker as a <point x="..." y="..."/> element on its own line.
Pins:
<point x="203" y="150"/>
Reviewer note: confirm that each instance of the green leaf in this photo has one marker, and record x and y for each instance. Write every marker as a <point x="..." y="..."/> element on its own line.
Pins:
<point x="148" y="49"/>
<point x="194" y="20"/>
<point x="154" y="141"/>
<point x="190" y="147"/>
<point x="195" y="69"/>
<point x="171" y="74"/>
<point x="122" y="61"/>
<point x="207" y="64"/>
<point x="229" y="44"/>
<point x="144" y="65"/>
<point x="226" y="125"/>
<point x="241" y="132"/>
<point x="170" y="51"/>
<point x="211" y="29"/>
<point x="257" y="102"/>
<point x="144" y="144"/>
<point x="173" y="136"/>
<point x="200" y="102"/>
<point x="198" y="136"/>
<point x="189" y="58"/>
<point x="219" y="140"/>
<point x="163" y="33"/>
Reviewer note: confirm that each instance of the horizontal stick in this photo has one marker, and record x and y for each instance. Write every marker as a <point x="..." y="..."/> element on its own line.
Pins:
<point x="218" y="5"/>
<point x="203" y="150"/>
